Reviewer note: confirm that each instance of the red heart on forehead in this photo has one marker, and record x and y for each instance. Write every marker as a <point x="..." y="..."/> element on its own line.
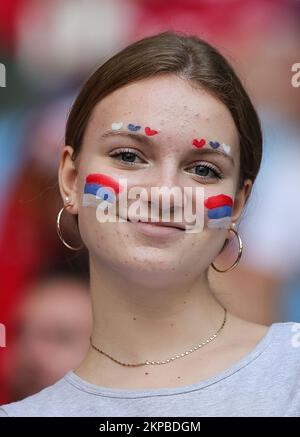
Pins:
<point x="150" y="132"/>
<point x="199" y="143"/>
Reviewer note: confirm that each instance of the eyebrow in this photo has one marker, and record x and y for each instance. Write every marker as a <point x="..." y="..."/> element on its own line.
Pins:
<point x="214" y="152"/>
<point x="147" y="140"/>
<point x="135" y="136"/>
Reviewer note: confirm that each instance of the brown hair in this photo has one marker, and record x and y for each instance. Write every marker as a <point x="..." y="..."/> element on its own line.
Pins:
<point x="186" y="56"/>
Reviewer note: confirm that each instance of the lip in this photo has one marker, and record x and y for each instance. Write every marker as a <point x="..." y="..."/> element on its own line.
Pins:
<point x="159" y="229"/>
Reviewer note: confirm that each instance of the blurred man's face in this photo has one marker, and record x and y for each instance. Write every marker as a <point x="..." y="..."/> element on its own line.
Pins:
<point x="53" y="328"/>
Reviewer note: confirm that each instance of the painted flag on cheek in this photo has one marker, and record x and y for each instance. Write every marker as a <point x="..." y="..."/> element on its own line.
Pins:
<point x="219" y="211"/>
<point x="99" y="187"/>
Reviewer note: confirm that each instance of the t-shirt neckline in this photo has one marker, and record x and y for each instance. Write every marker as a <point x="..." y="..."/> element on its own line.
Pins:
<point x="83" y="385"/>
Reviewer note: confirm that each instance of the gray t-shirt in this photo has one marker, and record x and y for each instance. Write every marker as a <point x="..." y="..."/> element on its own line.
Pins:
<point x="265" y="382"/>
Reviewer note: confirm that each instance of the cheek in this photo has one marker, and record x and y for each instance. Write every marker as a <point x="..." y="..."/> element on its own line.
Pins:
<point x="99" y="194"/>
<point x="100" y="187"/>
<point x="218" y="210"/>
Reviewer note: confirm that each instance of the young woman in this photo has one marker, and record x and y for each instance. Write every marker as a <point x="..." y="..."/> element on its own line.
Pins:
<point x="167" y="111"/>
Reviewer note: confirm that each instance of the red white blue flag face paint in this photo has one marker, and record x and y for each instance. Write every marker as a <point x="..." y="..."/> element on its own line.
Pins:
<point x="100" y="187"/>
<point x="117" y="125"/>
<point x="215" y="145"/>
<point x="102" y="192"/>
<point x="219" y="211"/>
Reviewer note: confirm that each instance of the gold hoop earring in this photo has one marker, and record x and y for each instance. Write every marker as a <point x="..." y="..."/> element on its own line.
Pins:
<point x="238" y="257"/>
<point x="59" y="233"/>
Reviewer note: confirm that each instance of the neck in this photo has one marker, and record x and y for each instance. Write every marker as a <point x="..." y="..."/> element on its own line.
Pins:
<point x="136" y="321"/>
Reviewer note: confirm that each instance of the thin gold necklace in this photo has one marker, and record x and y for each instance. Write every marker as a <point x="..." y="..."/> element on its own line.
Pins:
<point x="169" y="360"/>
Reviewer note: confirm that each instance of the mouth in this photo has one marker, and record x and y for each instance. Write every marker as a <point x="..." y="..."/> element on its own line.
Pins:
<point x="179" y="226"/>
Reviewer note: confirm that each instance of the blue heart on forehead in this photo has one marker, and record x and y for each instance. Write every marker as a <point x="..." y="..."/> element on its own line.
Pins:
<point x="214" y="144"/>
<point x="133" y="127"/>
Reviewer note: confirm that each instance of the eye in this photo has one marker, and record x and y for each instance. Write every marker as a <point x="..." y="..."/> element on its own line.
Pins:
<point x="126" y="156"/>
<point x="207" y="171"/>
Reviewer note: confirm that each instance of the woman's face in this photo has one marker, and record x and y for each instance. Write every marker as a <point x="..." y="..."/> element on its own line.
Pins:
<point x="170" y="153"/>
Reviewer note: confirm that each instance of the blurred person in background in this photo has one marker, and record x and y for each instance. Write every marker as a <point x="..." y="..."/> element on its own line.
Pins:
<point x="42" y="76"/>
<point x="28" y="240"/>
<point x="50" y="333"/>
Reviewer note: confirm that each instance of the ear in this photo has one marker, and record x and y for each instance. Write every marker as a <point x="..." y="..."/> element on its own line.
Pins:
<point x="67" y="179"/>
<point x="241" y="199"/>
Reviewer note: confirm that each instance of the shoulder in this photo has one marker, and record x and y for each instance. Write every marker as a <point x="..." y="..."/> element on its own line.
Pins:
<point x="278" y="368"/>
<point x="276" y="345"/>
<point x="278" y="333"/>
<point x="50" y="401"/>
<point x="285" y="343"/>
<point x="278" y="351"/>
<point x="286" y="335"/>
<point x="280" y="338"/>
<point x="269" y="370"/>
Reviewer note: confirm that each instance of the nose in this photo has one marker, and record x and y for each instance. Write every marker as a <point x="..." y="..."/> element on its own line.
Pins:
<point x="163" y="189"/>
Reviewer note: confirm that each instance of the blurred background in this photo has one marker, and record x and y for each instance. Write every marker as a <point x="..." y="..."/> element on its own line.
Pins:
<point x="48" y="49"/>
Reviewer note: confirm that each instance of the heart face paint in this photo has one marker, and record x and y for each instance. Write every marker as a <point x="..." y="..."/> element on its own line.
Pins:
<point x="133" y="127"/>
<point x="99" y="187"/>
<point x="150" y="132"/>
<point x="116" y="125"/>
<point x="226" y="148"/>
<point x="219" y="211"/>
<point x="213" y="144"/>
<point x="199" y="143"/>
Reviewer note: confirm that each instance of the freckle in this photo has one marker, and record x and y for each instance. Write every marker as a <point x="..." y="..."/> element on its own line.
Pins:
<point x="146" y="373"/>
<point x="172" y="324"/>
<point x="186" y="274"/>
<point x="184" y="302"/>
<point x="134" y="318"/>
<point x="173" y="268"/>
<point x="178" y="377"/>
